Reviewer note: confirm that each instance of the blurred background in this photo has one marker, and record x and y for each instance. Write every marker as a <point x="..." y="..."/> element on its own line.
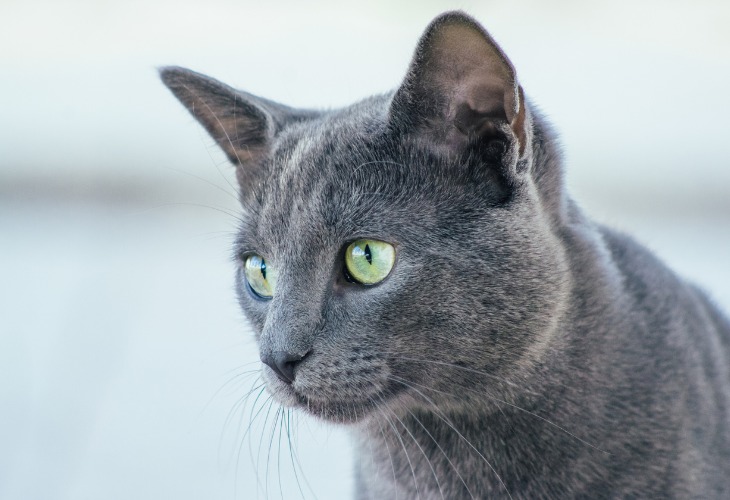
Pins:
<point x="123" y="356"/>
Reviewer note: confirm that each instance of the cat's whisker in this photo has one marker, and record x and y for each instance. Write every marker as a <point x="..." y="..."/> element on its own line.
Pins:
<point x="251" y="420"/>
<point x="261" y="442"/>
<point x="272" y="434"/>
<point x="278" y="454"/>
<point x="228" y="382"/>
<point x="296" y="458"/>
<point x="442" y="451"/>
<point x="198" y="205"/>
<point x="498" y="400"/>
<point x="390" y="455"/>
<point x="252" y="417"/>
<point x="292" y="453"/>
<point x="552" y="424"/>
<point x="448" y="422"/>
<point x="517" y="407"/>
<point x="464" y="368"/>
<point x="405" y="450"/>
<point x="237" y="378"/>
<point x="206" y="181"/>
<point x="370" y="441"/>
<point x="512" y="405"/>
<point x="239" y="404"/>
<point x="215" y="235"/>
<point x="428" y="461"/>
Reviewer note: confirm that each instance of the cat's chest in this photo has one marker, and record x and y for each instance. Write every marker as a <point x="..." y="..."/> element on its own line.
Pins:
<point x="407" y="458"/>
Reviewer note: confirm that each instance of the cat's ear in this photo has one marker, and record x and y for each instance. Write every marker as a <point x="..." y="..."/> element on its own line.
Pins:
<point x="460" y="89"/>
<point x="242" y="124"/>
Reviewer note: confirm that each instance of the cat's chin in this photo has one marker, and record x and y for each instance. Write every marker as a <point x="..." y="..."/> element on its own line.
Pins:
<point x="341" y="412"/>
<point x="332" y="410"/>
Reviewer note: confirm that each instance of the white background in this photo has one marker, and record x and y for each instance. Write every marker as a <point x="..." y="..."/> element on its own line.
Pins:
<point x="120" y="340"/>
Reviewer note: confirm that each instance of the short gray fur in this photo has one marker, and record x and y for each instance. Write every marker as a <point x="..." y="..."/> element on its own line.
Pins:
<point x="517" y="348"/>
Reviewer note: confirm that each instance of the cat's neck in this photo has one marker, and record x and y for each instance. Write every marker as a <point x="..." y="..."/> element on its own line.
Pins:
<point x="433" y="454"/>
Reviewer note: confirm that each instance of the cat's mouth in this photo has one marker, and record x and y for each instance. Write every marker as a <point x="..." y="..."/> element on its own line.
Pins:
<point x="316" y="400"/>
<point x="339" y="411"/>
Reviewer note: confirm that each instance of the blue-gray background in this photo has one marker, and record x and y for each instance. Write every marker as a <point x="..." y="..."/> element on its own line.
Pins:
<point x="121" y="344"/>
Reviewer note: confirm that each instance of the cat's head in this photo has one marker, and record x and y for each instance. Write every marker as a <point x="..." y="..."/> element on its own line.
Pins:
<point x="397" y="250"/>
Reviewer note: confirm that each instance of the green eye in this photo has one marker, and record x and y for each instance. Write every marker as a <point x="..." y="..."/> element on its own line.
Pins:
<point x="369" y="261"/>
<point x="260" y="276"/>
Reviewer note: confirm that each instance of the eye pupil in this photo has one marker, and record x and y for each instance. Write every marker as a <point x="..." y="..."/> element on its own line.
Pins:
<point x="260" y="277"/>
<point x="368" y="255"/>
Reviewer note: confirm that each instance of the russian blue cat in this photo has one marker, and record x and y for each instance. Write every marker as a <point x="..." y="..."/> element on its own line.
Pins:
<point x="413" y="267"/>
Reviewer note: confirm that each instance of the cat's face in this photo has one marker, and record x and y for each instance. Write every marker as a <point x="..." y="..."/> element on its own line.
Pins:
<point x="440" y="182"/>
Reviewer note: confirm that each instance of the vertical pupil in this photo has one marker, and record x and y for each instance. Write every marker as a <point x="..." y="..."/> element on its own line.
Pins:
<point x="368" y="255"/>
<point x="263" y="268"/>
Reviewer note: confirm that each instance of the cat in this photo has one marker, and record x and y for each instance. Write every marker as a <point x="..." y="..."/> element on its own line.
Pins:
<point x="413" y="267"/>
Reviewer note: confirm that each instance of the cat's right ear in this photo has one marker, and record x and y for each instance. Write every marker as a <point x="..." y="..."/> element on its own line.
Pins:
<point x="242" y="124"/>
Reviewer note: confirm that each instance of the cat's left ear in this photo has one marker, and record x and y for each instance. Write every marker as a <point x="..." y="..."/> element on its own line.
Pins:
<point x="461" y="89"/>
<point x="243" y="125"/>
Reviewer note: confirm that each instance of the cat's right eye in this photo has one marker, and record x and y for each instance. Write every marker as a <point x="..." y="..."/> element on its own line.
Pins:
<point x="260" y="276"/>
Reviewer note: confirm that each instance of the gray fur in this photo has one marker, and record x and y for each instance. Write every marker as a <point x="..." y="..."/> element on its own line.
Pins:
<point x="517" y="348"/>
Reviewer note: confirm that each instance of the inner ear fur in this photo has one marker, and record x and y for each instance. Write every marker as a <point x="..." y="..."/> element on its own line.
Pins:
<point x="240" y="127"/>
<point x="460" y="87"/>
<point x="243" y="125"/>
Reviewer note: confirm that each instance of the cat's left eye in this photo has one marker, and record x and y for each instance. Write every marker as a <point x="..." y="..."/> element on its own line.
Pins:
<point x="369" y="261"/>
<point x="261" y="277"/>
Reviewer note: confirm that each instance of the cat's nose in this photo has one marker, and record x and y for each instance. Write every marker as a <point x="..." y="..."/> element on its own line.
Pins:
<point x="283" y="364"/>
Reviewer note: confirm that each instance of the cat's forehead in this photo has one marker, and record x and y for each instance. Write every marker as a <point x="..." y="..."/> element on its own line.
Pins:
<point x="327" y="179"/>
<point x="335" y="142"/>
<point x="345" y="176"/>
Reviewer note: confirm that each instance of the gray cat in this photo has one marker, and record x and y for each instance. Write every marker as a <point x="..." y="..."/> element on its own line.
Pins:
<point x="413" y="267"/>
